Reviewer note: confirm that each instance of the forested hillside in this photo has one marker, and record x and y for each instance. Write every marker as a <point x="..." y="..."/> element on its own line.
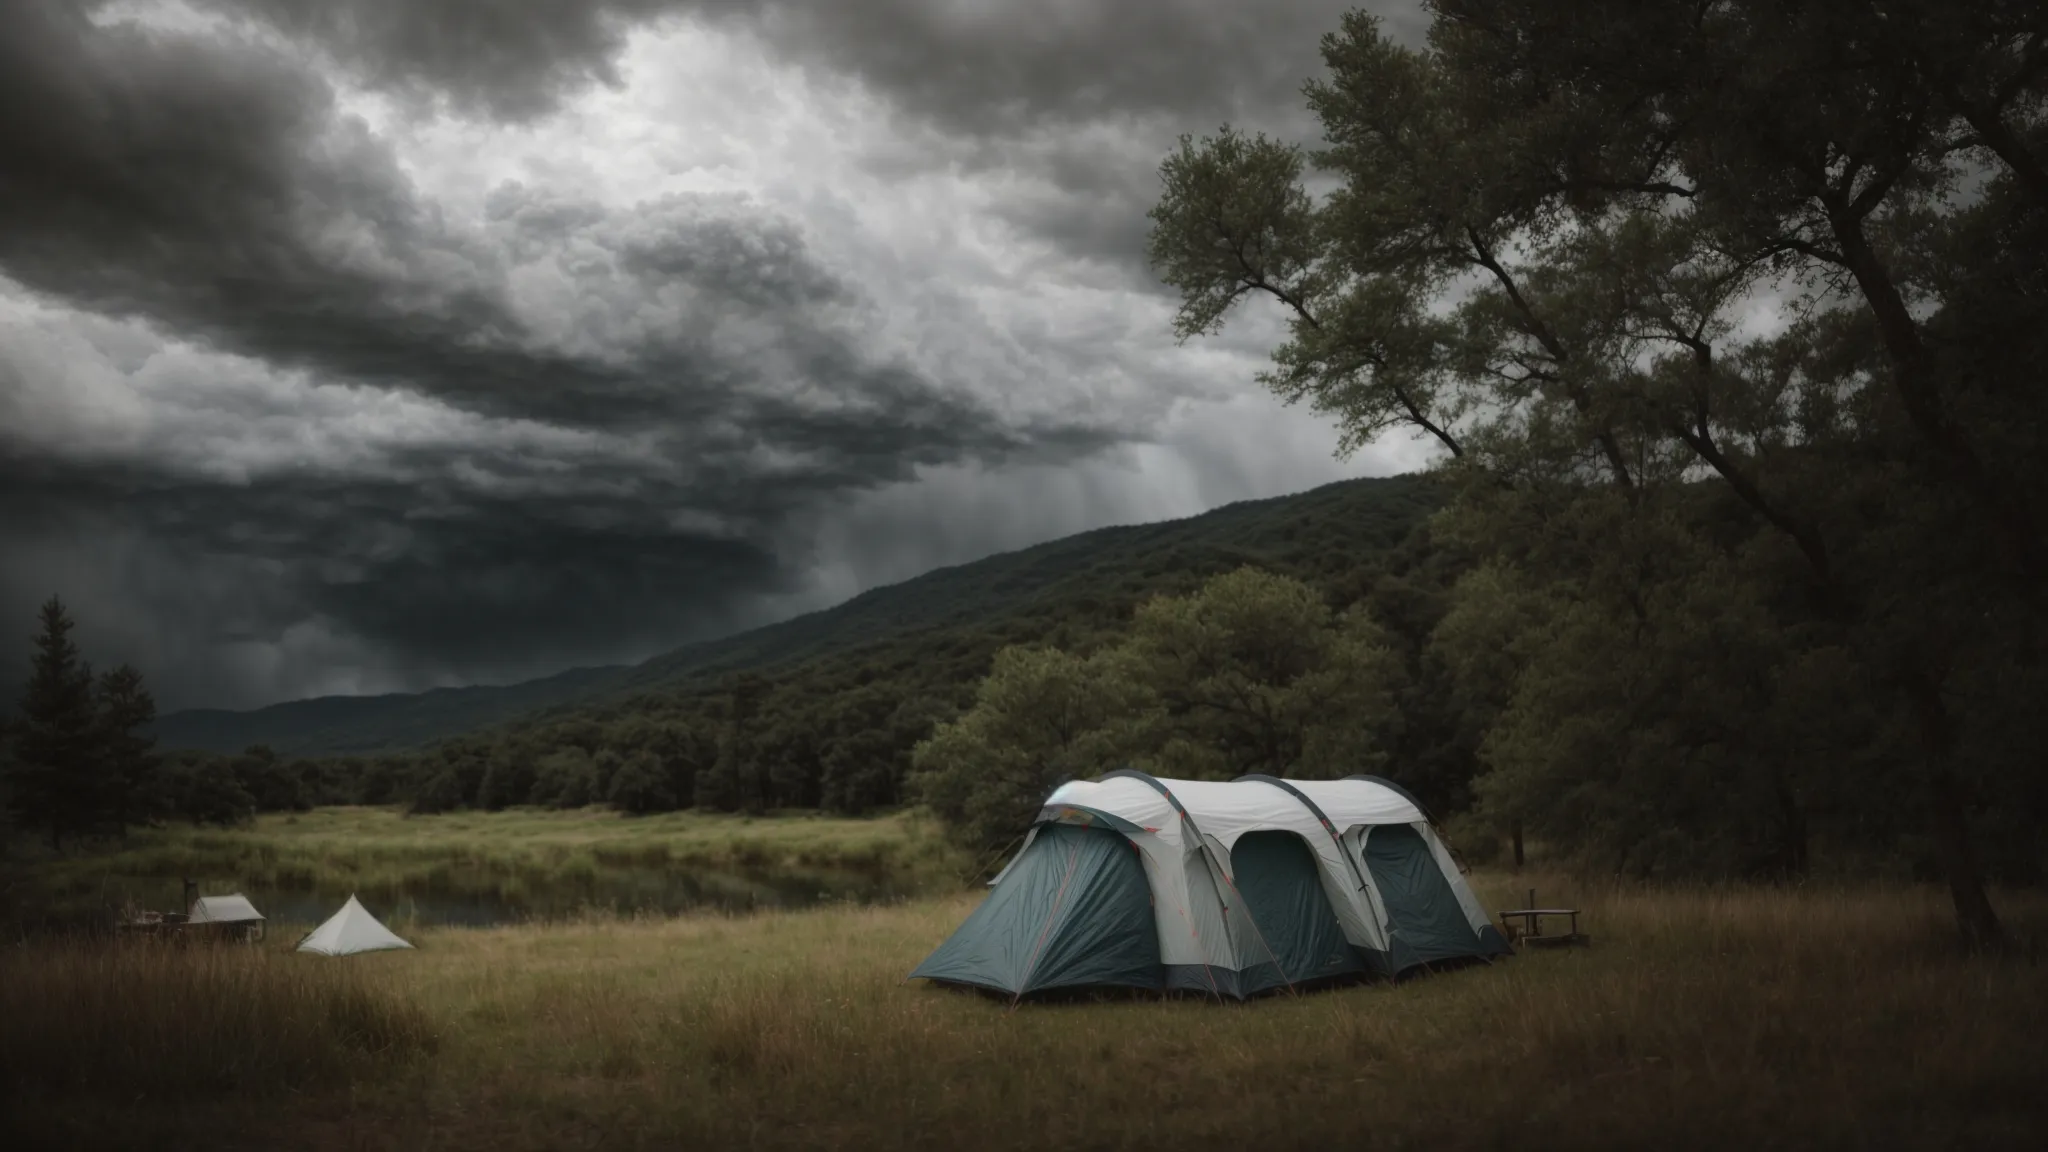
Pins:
<point x="343" y="725"/>
<point x="1082" y="581"/>
<point x="825" y="710"/>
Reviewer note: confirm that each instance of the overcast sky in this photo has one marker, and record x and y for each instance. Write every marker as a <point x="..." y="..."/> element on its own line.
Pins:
<point x="372" y="345"/>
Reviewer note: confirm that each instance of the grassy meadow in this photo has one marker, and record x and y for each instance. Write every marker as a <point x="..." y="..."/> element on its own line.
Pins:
<point x="516" y="864"/>
<point x="1787" y="1018"/>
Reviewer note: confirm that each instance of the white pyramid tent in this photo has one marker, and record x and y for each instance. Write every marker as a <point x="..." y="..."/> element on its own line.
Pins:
<point x="351" y="930"/>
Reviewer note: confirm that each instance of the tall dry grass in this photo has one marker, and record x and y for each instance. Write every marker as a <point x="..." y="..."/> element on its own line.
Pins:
<point x="1711" y="1018"/>
<point x="151" y="1021"/>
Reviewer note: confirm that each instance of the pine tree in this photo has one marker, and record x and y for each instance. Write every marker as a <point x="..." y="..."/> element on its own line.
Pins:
<point x="129" y="760"/>
<point x="56" y="747"/>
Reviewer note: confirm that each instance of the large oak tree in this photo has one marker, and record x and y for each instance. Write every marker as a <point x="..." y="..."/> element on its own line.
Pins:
<point x="1792" y="250"/>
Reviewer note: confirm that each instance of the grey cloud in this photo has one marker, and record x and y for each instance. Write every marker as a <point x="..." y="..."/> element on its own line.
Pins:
<point x="509" y="60"/>
<point x="424" y="545"/>
<point x="213" y="189"/>
<point x="979" y="68"/>
<point x="986" y="69"/>
<point x="211" y="186"/>
<point x="1008" y="79"/>
<point x="423" y="583"/>
<point x="1019" y="80"/>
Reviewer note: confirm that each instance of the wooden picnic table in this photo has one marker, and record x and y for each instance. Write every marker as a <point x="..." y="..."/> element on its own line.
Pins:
<point x="1532" y="923"/>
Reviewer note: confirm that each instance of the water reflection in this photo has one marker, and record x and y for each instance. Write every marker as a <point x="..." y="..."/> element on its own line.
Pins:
<point x="483" y="901"/>
<point x="663" y="893"/>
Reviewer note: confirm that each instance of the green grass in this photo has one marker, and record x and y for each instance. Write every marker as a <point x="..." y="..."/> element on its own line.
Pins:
<point x="525" y="859"/>
<point x="1783" y="1018"/>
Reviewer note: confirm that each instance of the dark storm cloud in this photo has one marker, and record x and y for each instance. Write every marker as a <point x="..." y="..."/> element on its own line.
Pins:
<point x="979" y="68"/>
<point x="212" y="188"/>
<point x="208" y="191"/>
<point x="1006" y="77"/>
<point x="999" y="68"/>
<point x="305" y="427"/>
<point x="312" y="576"/>
<point x="1020" y="78"/>
<point x="479" y="548"/>
<point x="512" y="60"/>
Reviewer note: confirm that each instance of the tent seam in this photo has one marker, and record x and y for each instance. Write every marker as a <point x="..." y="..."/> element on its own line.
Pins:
<point x="1059" y="898"/>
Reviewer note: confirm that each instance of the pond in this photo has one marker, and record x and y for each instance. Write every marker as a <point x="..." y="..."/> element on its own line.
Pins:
<point x="663" y="893"/>
<point x="477" y="899"/>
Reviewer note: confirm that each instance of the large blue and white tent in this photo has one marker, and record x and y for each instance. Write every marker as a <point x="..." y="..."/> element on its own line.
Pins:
<point x="1230" y="888"/>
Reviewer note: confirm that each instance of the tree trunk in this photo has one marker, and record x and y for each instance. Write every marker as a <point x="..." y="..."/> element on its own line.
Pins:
<point x="1919" y="395"/>
<point x="1515" y="831"/>
<point x="1792" y="837"/>
<point x="1976" y="919"/>
<point x="1998" y="136"/>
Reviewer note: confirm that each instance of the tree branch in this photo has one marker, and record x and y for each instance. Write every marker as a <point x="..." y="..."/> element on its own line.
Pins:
<point x="1997" y="135"/>
<point x="1609" y="447"/>
<point x="1415" y="414"/>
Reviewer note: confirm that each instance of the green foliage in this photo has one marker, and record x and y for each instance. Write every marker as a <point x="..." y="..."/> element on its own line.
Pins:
<point x="1252" y="672"/>
<point x="441" y="793"/>
<point x="642" y="785"/>
<point x="1041" y="717"/>
<point x="507" y="780"/>
<point x="566" y="778"/>
<point x="206" y="790"/>
<point x="272" y="784"/>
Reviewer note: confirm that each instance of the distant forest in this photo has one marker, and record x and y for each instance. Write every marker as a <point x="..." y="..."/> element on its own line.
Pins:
<point x="1729" y="322"/>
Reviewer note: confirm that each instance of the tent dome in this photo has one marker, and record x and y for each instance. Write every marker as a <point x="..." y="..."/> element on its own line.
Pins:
<point x="1231" y="888"/>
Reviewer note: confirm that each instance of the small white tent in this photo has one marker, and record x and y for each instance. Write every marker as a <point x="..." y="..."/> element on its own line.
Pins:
<point x="227" y="917"/>
<point x="234" y="909"/>
<point x="351" y="930"/>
